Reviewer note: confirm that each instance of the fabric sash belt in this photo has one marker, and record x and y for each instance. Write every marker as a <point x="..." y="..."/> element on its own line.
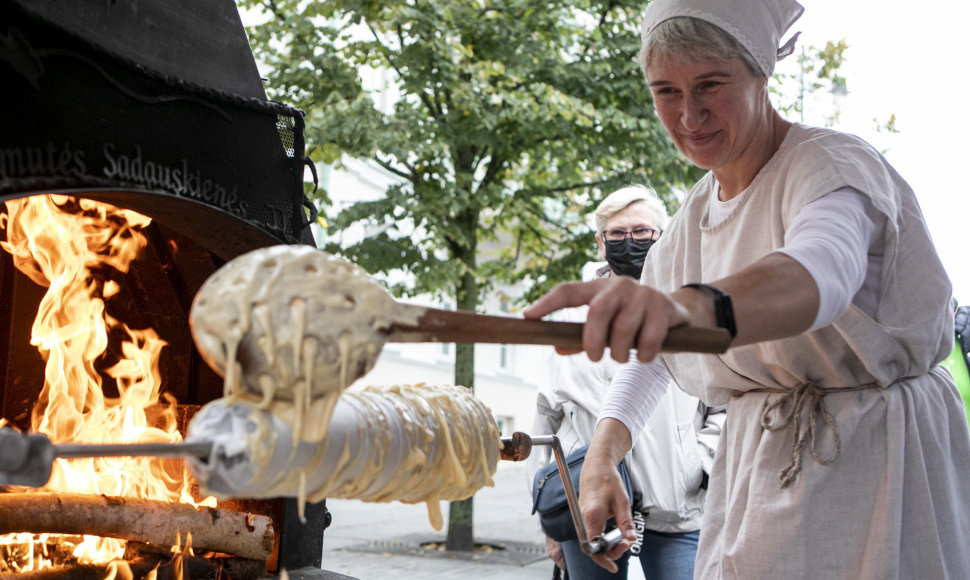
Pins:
<point x="774" y="418"/>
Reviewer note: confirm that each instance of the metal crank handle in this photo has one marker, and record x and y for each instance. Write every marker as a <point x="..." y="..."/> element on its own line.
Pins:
<point x="519" y="446"/>
<point x="604" y="543"/>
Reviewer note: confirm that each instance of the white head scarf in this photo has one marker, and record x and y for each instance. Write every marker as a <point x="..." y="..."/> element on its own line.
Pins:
<point x="757" y="24"/>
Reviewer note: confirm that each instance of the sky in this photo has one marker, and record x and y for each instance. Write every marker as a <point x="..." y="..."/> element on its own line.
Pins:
<point x="908" y="59"/>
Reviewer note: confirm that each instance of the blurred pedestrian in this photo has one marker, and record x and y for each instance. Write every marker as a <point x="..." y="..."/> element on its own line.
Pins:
<point x="672" y="457"/>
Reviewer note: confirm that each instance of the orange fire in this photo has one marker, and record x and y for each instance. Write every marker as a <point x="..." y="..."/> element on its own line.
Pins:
<point x="60" y="242"/>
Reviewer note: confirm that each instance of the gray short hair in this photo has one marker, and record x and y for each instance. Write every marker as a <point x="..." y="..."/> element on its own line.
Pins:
<point x="622" y="198"/>
<point x="693" y="38"/>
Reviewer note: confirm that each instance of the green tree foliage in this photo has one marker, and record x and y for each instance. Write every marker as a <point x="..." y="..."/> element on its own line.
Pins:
<point x="514" y="119"/>
<point x="819" y="72"/>
<point x="818" y="78"/>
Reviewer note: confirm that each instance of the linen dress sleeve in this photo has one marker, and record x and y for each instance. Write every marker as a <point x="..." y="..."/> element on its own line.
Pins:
<point x="831" y="237"/>
<point x="635" y="392"/>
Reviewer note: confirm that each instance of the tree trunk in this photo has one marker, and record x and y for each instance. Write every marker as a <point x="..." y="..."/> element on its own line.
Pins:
<point x="461" y="532"/>
<point x="460" y="513"/>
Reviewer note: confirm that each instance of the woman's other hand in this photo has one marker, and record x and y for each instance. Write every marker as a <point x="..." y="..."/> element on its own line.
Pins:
<point x="601" y="491"/>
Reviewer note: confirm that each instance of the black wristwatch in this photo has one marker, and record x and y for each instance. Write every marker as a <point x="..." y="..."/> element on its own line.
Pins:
<point x="723" y="310"/>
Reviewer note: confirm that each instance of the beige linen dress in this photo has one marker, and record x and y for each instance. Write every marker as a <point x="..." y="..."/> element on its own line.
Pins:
<point x="893" y="500"/>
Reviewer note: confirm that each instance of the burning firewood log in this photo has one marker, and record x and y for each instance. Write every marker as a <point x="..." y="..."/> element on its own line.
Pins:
<point x="245" y="535"/>
<point x="165" y="567"/>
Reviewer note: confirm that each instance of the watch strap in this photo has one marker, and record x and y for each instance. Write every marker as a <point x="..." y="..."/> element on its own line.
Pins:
<point x="723" y="309"/>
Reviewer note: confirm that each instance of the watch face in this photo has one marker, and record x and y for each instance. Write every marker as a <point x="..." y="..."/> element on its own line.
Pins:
<point x="723" y="309"/>
<point x="724" y="312"/>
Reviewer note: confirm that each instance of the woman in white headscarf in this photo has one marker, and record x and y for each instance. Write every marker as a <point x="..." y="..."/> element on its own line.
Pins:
<point x="845" y="452"/>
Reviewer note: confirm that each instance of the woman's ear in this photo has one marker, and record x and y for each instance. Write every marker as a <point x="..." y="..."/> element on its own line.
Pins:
<point x="600" y="246"/>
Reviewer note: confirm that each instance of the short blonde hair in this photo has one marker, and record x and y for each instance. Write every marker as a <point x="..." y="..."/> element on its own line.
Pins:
<point x="622" y="198"/>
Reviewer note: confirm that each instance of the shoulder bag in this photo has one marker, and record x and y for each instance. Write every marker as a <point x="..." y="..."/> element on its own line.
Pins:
<point x="549" y="496"/>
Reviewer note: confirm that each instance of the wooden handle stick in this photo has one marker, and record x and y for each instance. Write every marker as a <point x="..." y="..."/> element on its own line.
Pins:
<point x="435" y="325"/>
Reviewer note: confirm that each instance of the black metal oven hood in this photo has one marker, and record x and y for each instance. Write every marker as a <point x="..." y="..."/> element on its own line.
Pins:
<point x="155" y="106"/>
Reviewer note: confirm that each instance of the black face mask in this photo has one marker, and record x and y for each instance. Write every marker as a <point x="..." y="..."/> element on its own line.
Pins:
<point x="626" y="256"/>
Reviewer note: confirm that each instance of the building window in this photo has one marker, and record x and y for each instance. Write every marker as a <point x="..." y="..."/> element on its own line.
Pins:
<point x="506" y="424"/>
<point x="504" y="357"/>
<point x="504" y="350"/>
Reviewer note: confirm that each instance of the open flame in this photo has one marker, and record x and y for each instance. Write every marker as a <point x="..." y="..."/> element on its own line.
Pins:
<point x="66" y="244"/>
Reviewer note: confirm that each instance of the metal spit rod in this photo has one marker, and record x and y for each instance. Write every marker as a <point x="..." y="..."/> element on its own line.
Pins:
<point x="76" y="450"/>
<point x="27" y="458"/>
<point x="519" y="447"/>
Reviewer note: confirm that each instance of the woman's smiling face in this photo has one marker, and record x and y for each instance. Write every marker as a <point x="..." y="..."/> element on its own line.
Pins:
<point x="712" y="110"/>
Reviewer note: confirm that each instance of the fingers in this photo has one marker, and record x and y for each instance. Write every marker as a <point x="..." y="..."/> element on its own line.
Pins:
<point x="567" y="351"/>
<point x="608" y="560"/>
<point x="626" y="316"/>
<point x="624" y="521"/>
<point x="601" y="497"/>
<point x="616" y="316"/>
<point x="665" y="313"/>
<point x="607" y="563"/>
<point x="609" y="322"/>
<point x="653" y="331"/>
<point x="623" y="316"/>
<point x="618" y="550"/>
<point x="570" y="295"/>
<point x="565" y="295"/>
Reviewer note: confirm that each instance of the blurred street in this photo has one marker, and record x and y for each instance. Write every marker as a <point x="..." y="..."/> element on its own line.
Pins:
<point x="372" y="541"/>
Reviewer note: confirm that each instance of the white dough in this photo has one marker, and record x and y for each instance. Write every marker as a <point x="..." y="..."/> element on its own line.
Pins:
<point x="404" y="443"/>
<point x="290" y="322"/>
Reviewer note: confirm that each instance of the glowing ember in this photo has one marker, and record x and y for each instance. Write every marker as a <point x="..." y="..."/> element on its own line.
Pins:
<point x="62" y="243"/>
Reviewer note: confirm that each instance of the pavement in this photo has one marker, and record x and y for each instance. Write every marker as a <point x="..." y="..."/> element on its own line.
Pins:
<point x="369" y="541"/>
